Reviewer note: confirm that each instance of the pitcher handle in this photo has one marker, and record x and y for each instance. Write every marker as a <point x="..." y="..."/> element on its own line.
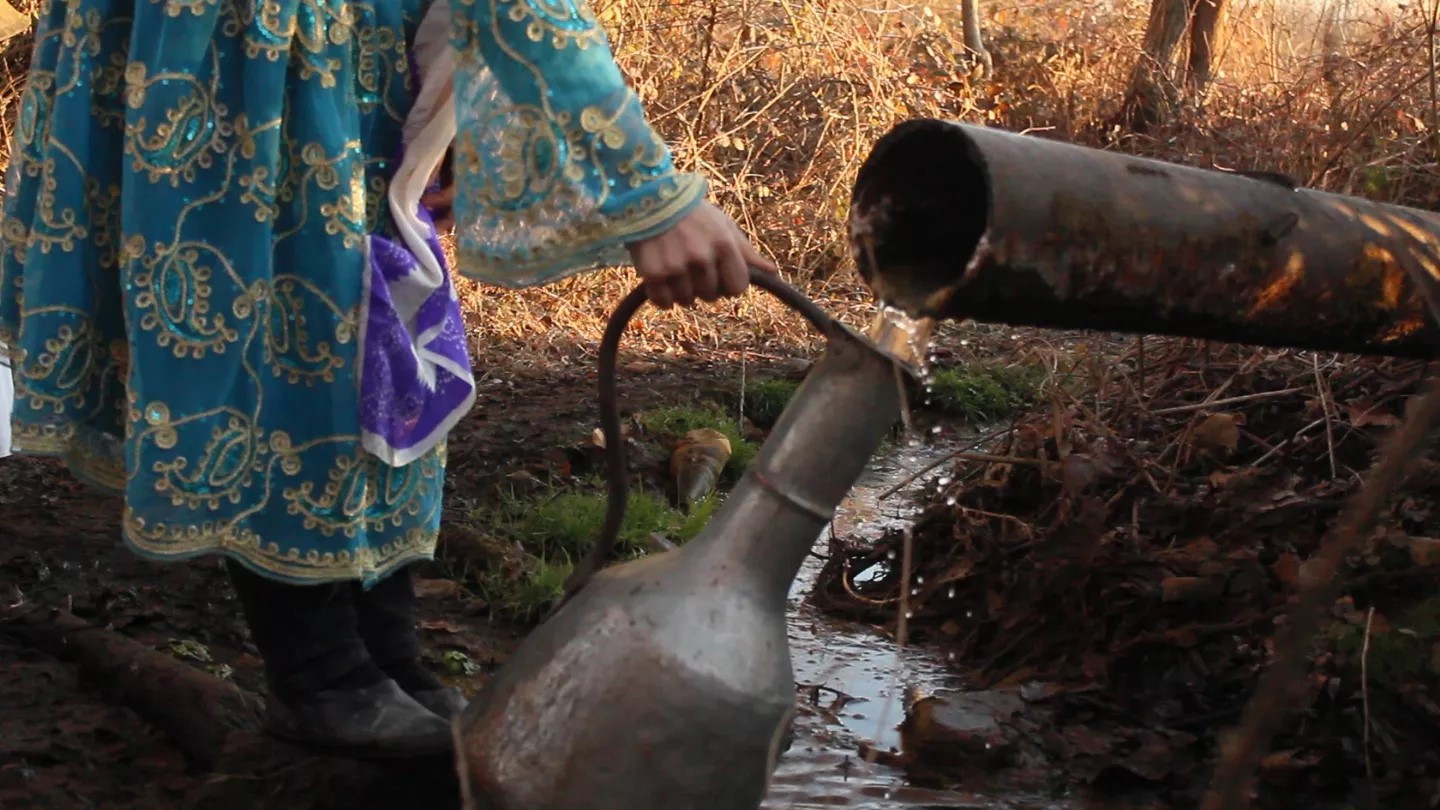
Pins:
<point x="617" y="471"/>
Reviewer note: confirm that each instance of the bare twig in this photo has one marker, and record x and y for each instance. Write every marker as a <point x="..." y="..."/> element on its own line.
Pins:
<point x="1365" y="693"/>
<point x="994" y="459"/>
<point x="850" y="591"/>
<point x="1326" y="408"/>
<point x="1215" y="403"/>
<point x="1432" y="23"/>
<point x="928" y="468"/>
<point x="1288" y="442"/>
<point x="902" y="625"/>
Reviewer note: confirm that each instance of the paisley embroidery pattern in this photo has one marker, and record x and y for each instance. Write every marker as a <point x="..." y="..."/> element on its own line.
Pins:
<point x="205" y="294"/>
<point x="184" y="267"/>
<point x="556" y="166"/>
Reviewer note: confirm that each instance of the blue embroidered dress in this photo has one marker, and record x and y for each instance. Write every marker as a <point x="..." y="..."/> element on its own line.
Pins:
<point x="220" y="293"/>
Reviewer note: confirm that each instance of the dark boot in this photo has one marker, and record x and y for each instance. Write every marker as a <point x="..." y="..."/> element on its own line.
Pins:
<point x="386" y="614"/>
<point x="325" y="691"/>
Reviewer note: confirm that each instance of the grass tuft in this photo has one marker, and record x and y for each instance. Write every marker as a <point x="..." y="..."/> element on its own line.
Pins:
<point x="556" y="529"/>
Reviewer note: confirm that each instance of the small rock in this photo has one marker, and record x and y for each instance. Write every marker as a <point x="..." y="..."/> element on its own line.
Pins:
<point x="1286" y="568"/>
<point x="797" y="365"/>
<point x="969" y="729"/>
<point x="1309" y="573"/>
<point x="1424" y="551"/>
<point x="436" y="588"/>
<point x="1190" y="589"/>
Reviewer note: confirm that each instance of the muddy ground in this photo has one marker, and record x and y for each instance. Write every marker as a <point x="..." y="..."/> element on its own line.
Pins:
<point x="64" y="745"/>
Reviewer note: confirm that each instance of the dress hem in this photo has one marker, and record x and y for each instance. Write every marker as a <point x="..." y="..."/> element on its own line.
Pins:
<point x="258" y="566"/>
<point x="89" y="473"/>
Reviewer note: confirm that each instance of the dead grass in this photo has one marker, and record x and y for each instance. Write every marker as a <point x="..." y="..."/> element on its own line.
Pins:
<point x="779" y="101"/>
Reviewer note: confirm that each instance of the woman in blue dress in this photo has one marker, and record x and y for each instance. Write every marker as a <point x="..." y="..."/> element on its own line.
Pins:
<point x="223" y="295"/>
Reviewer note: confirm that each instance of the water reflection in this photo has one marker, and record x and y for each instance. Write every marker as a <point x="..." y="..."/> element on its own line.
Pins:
<point x="857" y="678"/>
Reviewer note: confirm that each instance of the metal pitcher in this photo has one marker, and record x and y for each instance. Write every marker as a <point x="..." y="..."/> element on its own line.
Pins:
<point x="666" y="682"/>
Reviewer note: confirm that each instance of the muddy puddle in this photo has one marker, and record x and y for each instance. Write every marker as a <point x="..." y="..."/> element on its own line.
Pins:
<point x="824" y="767"/>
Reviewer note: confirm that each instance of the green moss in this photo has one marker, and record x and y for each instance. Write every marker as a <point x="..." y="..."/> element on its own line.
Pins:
<point x="554" y="530"/>
<point x="676" y="421"/>
<point x="1399" y="656"/>
<point x="566" y="524"/>
<point x="525" y="595"/>
<point x="700" y="514"/>
<point x="978" y="394"/>
<point x="766" y="399"/>
<point x="533" y="540"/>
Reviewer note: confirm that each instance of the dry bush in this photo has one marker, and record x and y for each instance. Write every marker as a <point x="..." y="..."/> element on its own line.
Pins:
<point x="779" y="101"/>
<point x="1357" y="115"/>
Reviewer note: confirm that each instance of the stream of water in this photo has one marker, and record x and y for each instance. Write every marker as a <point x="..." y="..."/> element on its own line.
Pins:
<point x="823" y="767"/>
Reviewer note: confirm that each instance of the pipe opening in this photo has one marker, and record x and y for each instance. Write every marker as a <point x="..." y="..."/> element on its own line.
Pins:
<point x="920" y="206"/>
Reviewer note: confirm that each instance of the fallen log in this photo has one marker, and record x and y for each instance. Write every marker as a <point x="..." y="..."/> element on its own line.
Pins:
<point x="217" y="725"/>
<point x="195" y="708"/>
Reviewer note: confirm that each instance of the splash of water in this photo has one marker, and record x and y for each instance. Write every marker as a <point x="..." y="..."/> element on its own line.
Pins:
<point x="907" y="340"/>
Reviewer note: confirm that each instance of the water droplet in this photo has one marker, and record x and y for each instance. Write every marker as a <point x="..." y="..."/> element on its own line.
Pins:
<point x="890" y="555"/>
<point x="969" y="614"/>
<point x="935" y="430"/>
<point x="919" y="580"/>
<point x="950" y="501"/>
<point x="951" y="593"/>
<point x="945" y="480"/>
<point x="909" y="614"/>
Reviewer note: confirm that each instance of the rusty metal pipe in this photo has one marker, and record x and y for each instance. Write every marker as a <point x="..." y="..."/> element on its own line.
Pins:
<point x="954" y="221"/>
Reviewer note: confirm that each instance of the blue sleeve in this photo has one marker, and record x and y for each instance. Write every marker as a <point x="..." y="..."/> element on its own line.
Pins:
<point x="556" y="166"/>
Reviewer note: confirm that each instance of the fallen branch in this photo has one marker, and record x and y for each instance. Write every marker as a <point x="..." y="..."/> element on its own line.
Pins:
<point x="991" y="458"/>
<point x="1198" y="406"/>
<point x="197" y="709"/>
<point x="217" y="725"/>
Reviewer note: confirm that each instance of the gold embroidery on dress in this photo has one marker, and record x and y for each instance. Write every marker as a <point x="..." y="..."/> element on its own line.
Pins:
<point x="216" y="467"/>
<point x="535" y="177"/>
<point x="174" y="285"/>
<point x="289" y="348"/>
